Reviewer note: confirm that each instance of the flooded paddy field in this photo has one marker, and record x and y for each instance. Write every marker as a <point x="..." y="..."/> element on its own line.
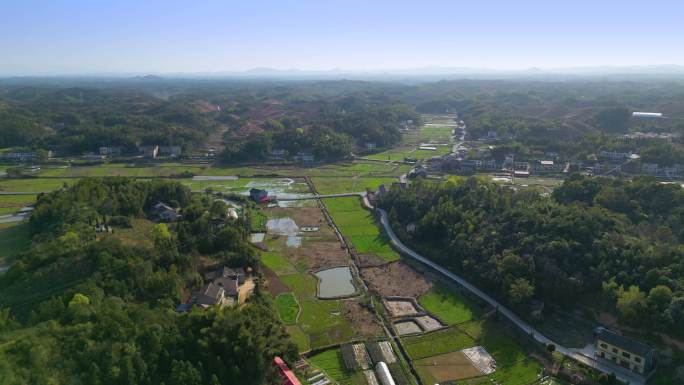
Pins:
<point x="336" y="282"/>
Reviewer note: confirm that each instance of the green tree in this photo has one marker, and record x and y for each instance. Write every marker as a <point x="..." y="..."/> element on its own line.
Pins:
<point x="520" y="291"/>
<point x="631" y="304"/>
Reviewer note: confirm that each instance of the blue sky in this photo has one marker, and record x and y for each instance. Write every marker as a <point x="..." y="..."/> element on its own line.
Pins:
<point x="92" y="36"/>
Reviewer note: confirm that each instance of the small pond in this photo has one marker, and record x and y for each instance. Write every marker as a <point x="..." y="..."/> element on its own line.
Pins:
<point x="293" y="241"/>
<point x="282" y="226"/>
<point x="335" y="282"/>
<point x="257" y="237"/>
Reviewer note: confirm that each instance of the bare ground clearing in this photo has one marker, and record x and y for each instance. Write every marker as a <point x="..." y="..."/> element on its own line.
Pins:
<point x="396" y="279"/>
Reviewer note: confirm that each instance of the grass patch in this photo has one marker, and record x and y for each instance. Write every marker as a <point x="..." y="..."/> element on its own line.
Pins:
<point x="274" y="261"/>
<point x="140" y="233"/>
<point x="300" y="338"/>
<point x="302" y="285"/>
<point x="447" y="306"/>
<point x="257" y="220"/>
<point x="337" y="185"/>
<point x="439" y="342"/>
<point x="358" y="225"/>
<point x="288" y="308"/>
<point x="34" y="184"/>
<point x="14" y="240"/>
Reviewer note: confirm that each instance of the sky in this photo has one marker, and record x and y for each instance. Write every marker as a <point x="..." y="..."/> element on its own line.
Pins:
<point x="201" y="36"/>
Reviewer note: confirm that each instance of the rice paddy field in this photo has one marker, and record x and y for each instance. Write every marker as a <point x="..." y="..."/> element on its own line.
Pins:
<point x="358" y="225"/>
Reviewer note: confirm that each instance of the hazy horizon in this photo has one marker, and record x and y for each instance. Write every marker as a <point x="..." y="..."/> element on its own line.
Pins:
<point x="71" y="37"/>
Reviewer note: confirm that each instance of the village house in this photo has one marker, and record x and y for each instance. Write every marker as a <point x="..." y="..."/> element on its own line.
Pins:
<point x="278" y="154"/>
<point x="24" y="156"/>
<point x="548" y="166"/>
<point x="649" y="168"/>
<point x="225" y="286"/>
<point x="164" y="213"/>
<point x="521" y="166"/>
<point x="614" y="156"/>
<point x="630" y="354"/>
<point x="258" y="195"/>
<point x="109" y="150"/>
<point x="211" y="295"/>
<point x="172" y="151"/>
<point x="304" y="157"/>
<point x="371" y="145"/>
<point x="150" y="152"/>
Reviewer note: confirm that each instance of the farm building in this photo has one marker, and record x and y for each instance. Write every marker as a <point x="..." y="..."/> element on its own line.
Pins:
<point x="258" y="195"/>
<point x="164" y="213"/>
<point x="628" y="353"/>
<point x="286" y="374"/>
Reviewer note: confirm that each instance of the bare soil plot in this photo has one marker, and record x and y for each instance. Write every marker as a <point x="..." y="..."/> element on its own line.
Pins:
<point x="407" y="327"/>
<point x="396" y="279"/>
<point x="381" y="351"/>
<point x="481" y="359"/>
<point x="445" y="367"/>
<point x="303" y="216"/>
<point x="399" y="307"/>
<point x="316" y="255"/>
<point x="363" y="320"/>
<point x="273" y="284"/>
<point x="428" y="323"/>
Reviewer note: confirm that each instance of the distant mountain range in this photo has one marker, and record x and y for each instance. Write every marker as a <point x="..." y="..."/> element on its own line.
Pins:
<point x="425" y="73"/>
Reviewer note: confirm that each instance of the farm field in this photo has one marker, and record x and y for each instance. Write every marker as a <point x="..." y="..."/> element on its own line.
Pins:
<point x="33" y="184"/>
<point x="447" y="306"/>
<point x="288" y="308"/>
<point x="330" y="362"/>
<point x="436" y="133"/>
<point x="436" y="343"/>
<point x="337" y="185"/>
<point x="357" y="224"/>
<point x="12" y="203"/>
<point x="121" y="169"/>
<point x="313" y="322"/>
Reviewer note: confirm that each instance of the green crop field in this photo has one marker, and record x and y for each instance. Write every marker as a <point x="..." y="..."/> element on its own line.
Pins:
<point x="276" y="262"/>
<point x="447" y="306"/>
<point x="303" y="285"/>
<point x="358" y="225"/>
<point x="440" y="133"/>
<point x="34" y="184"/>
<point x="439" y="342"/>
<point x="338" y="185"/>
<point x="122" y="169"/>
<point x="288" y="308"/>
<point x="330" y="362"/>
<point x="14" y="240"/>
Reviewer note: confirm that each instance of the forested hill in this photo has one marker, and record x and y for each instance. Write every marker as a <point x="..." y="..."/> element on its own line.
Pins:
<point x="104" y="302"/>
<point x="602" y="237"/>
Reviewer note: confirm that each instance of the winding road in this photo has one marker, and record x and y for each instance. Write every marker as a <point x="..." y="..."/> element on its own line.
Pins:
<point x="621" y="374"/>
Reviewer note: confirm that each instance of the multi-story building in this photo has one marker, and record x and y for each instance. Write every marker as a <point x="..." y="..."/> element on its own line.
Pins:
<point x="630" y="354"/>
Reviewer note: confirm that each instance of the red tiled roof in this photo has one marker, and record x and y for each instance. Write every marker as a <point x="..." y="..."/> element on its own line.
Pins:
<point x="288" y="377"/>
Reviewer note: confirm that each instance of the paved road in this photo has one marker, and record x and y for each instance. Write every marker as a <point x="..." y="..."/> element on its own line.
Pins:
<point x="18" y="193"/>
<point x="622" y="375"/>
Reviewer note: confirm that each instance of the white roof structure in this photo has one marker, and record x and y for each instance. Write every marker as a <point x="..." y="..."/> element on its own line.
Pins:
<point x="652" y="115"/>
